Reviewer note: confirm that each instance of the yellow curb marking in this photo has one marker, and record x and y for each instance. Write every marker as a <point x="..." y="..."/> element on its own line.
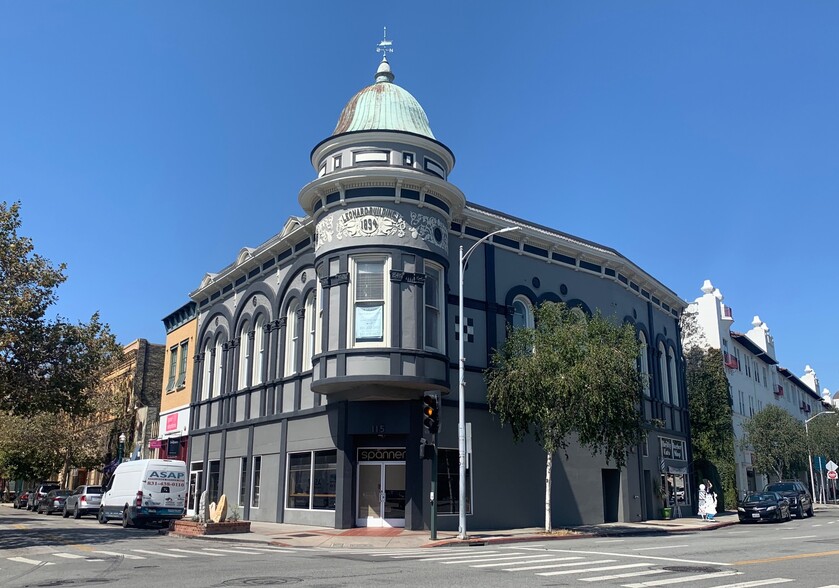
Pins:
<point x="784" y="558"/>
<point x="20" y="526"/>
<point x="81" y="547"/>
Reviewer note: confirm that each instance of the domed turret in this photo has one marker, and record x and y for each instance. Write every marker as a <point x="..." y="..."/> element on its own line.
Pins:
<point x="383" y="106"/>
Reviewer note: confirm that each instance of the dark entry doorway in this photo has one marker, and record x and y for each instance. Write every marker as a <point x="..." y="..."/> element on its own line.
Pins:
<point x="611" y="495"/>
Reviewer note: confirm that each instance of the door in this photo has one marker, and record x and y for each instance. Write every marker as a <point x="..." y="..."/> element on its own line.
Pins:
<point x="381" y="494"/>
<point x="196" y="483"/>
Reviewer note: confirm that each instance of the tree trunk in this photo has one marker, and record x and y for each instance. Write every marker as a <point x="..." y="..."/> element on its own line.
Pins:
<point x="548" y="466"/>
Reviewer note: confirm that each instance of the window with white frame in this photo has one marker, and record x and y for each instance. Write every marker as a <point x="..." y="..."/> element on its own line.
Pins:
<point x="258" y="350"/>
<point x="310" y="320"/>
<point x="244" y="356"/>
<point x="674" y="381"/>
<point x="369" y="321"/>
<point x="644" y="363"/>
<point x="522" y="313"/>
<point x="183" y="355"/>
<point x="207" y="375"/>
<point x="665" y="381"/>
<point x="255" y="481"/>
<point x="243" y="480"/>
<point x="292" y="331"/>
<point x="311" y="480"/>
<point x="173" y="367"/>
<point x="433" y="294"/>
<point x="319" y="304"/>
<point x="218" y="366"/>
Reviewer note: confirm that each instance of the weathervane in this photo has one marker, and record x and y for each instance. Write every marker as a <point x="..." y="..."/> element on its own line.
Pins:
<point x="385" y="46"/>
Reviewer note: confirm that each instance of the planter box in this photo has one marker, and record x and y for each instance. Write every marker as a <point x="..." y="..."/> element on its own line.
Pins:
<point x="187" y="528"/>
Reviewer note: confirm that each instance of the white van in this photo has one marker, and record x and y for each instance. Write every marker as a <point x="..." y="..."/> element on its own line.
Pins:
<point x="145" y="490"/>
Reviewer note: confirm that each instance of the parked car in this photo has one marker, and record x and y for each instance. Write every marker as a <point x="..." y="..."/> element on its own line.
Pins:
<point x="53" y="501"/>
<point x="84" y="500"/>
<point x="763" y="506"/>
<point x="22" y="499"/>
<point x="800" y="501"/>
<point x="39" y="493"/>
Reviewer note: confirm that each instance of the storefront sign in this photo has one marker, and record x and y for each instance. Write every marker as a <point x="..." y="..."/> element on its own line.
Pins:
<point x="381" y="454"/>
<point x="171" y="422"/>
<point x="174" y="424"/>
<point x="173" y="446"/>
<point x="155" y="443"/>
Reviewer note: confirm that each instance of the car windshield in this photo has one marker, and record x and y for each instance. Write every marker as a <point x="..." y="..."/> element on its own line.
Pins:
<point x="781" y="487"/>
<point x="94" y="490"/>
<point x="61" y="493"/>
<point x="752" y="498"/>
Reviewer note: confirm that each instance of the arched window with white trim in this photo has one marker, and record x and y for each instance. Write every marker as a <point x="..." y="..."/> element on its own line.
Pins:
<point x="207" y="372"/>
<point x="310" y="319"/>
<point x="674" y="381"/>
<point x="662" y="365"/>
<point x="218" y="366"/>
<point x="522" y="313"/>
<point x="244" y="357"/>
<point x="292" y="339"/>
<point x="258" y="350"/>
<point x="644" y="363"/>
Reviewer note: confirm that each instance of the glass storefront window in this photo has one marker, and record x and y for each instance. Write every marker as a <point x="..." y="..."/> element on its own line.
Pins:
<point x="324" y="480"/>
<point x="312" y="479"/>
<point x="448" y="483"/>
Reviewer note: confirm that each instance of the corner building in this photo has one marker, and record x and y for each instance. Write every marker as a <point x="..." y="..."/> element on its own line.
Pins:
<point x="315" y="348"/>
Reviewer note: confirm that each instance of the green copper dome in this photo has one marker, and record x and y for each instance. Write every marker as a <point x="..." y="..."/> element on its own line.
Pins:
<point x="384" y="106"/>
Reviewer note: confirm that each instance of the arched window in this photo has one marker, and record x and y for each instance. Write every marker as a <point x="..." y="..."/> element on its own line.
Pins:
<point x="244" y="357"/>
<point x="665" y="381"/>
<point x="310" y="319"/>
<point x="644" y="363"/>
<point x="207" y="374"/>
<point x="292" y="339"/>
<point x="522" y="313"/>
<point x="218" y="366"/>
<point x="674" y="381"/>
<point x="258" y="350"/>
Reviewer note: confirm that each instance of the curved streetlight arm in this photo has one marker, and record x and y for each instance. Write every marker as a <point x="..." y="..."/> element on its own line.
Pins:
<point x="461" y="402"/>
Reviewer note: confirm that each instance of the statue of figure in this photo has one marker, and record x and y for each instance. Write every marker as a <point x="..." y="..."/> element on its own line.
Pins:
<point x="203" y="508"/>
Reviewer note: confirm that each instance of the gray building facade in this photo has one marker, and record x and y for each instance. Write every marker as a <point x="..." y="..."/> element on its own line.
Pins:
<point x="316" y="348"/>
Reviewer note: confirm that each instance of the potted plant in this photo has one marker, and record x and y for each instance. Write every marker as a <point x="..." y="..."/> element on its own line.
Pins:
<point x="666" y="510"/>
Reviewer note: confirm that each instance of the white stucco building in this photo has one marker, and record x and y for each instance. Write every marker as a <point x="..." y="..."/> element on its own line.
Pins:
<point x="755" y="377"/>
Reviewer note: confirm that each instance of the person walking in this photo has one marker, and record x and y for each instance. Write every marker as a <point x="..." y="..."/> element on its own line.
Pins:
<point x="703" y="496"/>
<point x="710" y="501"/>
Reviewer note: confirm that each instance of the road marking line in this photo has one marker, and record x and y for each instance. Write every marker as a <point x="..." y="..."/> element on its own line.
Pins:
<point x="125" y="555"/>
<point x="735" y="532"/>
<point x="585" y="571"/>
<point x="480" y="558"/>
<point x="611" y="541"/>
<point x="245" y="551"/>
<point x="660" y="547"/>
<point x="637" y="555"/>
<point x="619" y="576"/>
<point x="160" y="553"/>
<point x="802" y="537"/>
<point x="681" y="580"/>
<point x="70" y="555"/>
<point x="757" y="583"/>
<point x="528" y="560"/>
<point x="268" y="549"/>
<point x="450" y="555"/>
<point x="34" y="562"/>
<point x="563" y="565"/>
<point x="196" y="552"/>
<point x="784" y="558"/>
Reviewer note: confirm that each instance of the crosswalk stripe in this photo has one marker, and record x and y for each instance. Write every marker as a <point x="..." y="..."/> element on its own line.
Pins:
<point x="587" y="570"/>
<point x="757" y="583"/>
<point x="428" y="557"/>
<point x="34" y="562"/>
<point x="125" y="555"/>
<point x="196" y="552"/>
<point x="246" y="552"/>
<point x="525" y="562"/>
<point x="669" y="581"/>
<point x="482" y="558"/>
<point x="619" y="576"/>
<point x="69" y="555"/>
<point x="160" y="553"/>
<point x="562" y="565"/>
<point x="659" y="547"/>
<point x="269" y="549"/>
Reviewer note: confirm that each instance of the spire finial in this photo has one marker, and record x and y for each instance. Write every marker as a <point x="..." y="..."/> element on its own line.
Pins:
<point x="384" y="47"/>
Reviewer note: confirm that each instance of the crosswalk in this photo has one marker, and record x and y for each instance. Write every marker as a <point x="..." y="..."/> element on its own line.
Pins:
<point x="593" y="568"/>
<point x="98" y="555"/>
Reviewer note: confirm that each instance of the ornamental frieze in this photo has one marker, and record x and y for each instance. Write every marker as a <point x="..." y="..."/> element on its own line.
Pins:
<point x="377" y="221"/>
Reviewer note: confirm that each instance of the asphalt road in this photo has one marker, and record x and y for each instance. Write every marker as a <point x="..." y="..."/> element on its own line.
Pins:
<point x="40" y="551"/>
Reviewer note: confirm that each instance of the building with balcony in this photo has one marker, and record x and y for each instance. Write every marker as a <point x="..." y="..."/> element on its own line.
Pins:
<point x="316" y="348"/>
<point x="755" y="377"/>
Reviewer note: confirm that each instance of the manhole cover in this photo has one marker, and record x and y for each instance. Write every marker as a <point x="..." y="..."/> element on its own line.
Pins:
<point x="692" y="569"/>
<point x="260" y="581"/>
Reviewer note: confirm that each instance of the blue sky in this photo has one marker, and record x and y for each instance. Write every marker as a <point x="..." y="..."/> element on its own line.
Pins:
<point x="150" y="141"/>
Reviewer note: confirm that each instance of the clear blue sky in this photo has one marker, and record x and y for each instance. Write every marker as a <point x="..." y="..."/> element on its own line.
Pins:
<point x="150" y="141"/>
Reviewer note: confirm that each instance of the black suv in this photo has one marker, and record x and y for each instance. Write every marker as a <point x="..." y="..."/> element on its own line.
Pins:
<point x="800" y="501"/>
<point x="40" y="492"/>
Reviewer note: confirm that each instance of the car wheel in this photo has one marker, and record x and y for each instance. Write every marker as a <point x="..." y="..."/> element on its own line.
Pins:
<point x="64" y="513"/>
<point x="800" y="512"/>
<point x="810" y="512"/>
<point x="76" y="513"/>
<point x="125" y="519"/>
<point x="101" y="517"/>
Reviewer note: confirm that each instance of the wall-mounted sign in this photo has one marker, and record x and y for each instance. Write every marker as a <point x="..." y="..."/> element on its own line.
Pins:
<point x="171" y="422"/>
<point x="381" y="454"/>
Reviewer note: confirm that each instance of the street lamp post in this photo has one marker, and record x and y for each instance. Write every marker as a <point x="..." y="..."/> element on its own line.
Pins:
<point x="810" y="453"/>
<point x="120" y="447"/>
<point x="461" y="402"/>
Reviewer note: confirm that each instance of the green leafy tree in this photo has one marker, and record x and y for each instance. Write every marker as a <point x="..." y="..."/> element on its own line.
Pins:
<point x="823" y="435"/>
<point x="46" y="365"/>
<point x="711" y="425"/>
<point x="778" y="441"/>
<point x="570" y="377"/>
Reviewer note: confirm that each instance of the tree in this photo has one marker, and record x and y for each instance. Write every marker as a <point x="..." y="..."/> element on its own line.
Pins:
<point x="45" y="365"/>
<point x="711" y="425"/>
<point x="568" y="376"/>
<point x="778" y="441"/>
<point x="823" y="435"/>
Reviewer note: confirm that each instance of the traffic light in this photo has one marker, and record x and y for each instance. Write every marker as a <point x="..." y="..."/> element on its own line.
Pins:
<point x="430" y="414"/>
